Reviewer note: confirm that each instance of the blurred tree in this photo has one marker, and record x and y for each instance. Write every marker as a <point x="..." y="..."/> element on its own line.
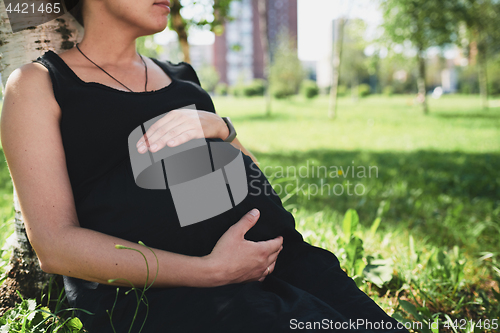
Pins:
<point x="398" y="71"/>
<point x="373" y="64"/>
<point x="286" y="72"/>
<point x="264" y="40"/>
<point x="180" y="26"/>
<point x="354" y="61"/>
<point x="336" y="62"/>
<point x="424" y="23"/>
<point x="309" y="89"/>
<point x="482" y="18"/>
<point x="208" y="77"/>
<point x="147" y="46"/>
<point x="213" y="15"/>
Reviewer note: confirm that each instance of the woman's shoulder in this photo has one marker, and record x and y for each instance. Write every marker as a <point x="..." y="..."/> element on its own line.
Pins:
<point x="27" y="76"/>
<point x="180" y="71"/>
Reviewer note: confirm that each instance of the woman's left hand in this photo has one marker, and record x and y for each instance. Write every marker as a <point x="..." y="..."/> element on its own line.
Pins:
<point x="180" y="126"/>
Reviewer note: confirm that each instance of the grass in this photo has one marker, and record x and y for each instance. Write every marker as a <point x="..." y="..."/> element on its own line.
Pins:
<point x="6" y="211"/>
<point x="433" y="185"/>
<point x="437" y="190"/>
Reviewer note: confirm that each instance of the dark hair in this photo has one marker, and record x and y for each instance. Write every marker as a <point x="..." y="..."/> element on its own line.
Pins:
<point x="74" y="7"/>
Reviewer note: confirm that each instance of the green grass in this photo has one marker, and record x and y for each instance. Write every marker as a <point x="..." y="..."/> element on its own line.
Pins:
<point x="6" y="210"/>
<point x="437" y="184"/>
<point x="434" y="185"/>
<point x="437" y="174"/>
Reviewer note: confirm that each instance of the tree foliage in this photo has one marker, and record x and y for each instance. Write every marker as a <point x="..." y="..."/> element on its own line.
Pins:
<point x="209" y="14"/>
<point x="286" y="72"/>
<point x="481" y="18"/>
<point x="423" y="24"/>
<point x="354" y="69"/>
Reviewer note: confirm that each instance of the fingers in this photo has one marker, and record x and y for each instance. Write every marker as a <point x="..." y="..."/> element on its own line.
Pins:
<point x="272" y="245"/>
<point x="175" y="136"/>
<point x="145" y="140"/>
<point x="172" y="130"/>
<point x="246" y="222"/>
<point x="268" y="271"/>
<point x="271" y="268"/>
<point x="273" y="256"/>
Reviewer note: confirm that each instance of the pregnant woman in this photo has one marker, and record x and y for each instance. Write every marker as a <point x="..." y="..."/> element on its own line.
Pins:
<point x="65" y="126"/>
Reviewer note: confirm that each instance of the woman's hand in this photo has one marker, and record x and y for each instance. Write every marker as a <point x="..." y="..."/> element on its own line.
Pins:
<point x="180" y="126"/>
<point x="238" y="260"/>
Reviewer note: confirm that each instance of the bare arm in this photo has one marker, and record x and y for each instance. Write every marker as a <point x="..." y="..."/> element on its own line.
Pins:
<point x="245" y="151"/>
<point x="33" y="148"/>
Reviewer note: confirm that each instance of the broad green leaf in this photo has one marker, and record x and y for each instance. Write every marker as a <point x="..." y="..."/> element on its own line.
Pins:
<point x="349" y="224"/>
<point x="399" y="317"/>
<point x="31" y="304"/>
<point x="375" y="225"/>
<point x="359" y="265"/>
<point x="435" y="325"/>
<point x="379" y="271"/>
<point x="75" y="324"/>
<point x="411" y="309"/>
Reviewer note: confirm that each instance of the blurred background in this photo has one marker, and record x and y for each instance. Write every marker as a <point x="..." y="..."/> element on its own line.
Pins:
<point x="407" y="88"/>
<point x="378" y="47"/>
<point x="378" y="125"/>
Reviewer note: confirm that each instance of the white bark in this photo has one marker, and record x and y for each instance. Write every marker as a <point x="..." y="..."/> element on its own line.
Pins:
<point x="264" y="39"/>
<point x="25" y="46"/>
<point x="17" y="49"/>
<point x="336" y="62"/>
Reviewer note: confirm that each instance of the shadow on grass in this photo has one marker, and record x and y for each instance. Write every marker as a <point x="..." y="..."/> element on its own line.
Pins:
<point x="256" y="117"/>
<point x="450" y="198"/>
<point x="489" y="114"/>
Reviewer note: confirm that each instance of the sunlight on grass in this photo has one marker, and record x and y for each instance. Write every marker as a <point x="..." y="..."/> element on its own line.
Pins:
<point x="436" y="191"/>
<point x="432" y="181"/>
<point x="373" y="124"/>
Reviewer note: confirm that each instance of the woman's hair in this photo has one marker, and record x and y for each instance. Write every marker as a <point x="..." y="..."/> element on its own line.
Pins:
<point x="74" y="7"/>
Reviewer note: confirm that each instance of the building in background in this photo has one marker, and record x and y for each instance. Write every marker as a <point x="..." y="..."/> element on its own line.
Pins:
<point x="201" y="55"/>
<point x="237" y="53"/>
<point x="310" y="69"/>
<point x="324" y="70"/>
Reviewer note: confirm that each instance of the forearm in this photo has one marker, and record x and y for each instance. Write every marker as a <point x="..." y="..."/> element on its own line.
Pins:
<point x="236" y="143"/>
<point x="90" y="255"/>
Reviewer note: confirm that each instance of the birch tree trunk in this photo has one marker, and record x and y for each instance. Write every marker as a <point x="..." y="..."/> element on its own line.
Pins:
<point x="336" y="61"/>
<point x="17" y="49"/>
<point x="179" y="26"/>
<point x="264" y="40"/>
<point x="482" y="75"/>
<point x="422" y="87"/>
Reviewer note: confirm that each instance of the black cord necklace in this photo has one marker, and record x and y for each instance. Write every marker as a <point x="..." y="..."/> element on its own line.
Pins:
<point x="145" y="66"/>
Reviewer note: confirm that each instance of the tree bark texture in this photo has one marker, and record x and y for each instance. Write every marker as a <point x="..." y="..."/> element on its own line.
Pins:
<point x="16" y="49"/>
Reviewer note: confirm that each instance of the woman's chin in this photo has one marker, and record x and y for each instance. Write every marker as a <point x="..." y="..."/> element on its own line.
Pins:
<point x="151" y="30"/>
<point x="161" y="24"/>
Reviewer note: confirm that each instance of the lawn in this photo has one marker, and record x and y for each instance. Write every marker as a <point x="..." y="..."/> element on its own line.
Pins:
<point x="426" y="190"/>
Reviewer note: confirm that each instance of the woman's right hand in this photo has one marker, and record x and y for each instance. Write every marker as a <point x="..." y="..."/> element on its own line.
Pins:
<point x="238" y="260"/>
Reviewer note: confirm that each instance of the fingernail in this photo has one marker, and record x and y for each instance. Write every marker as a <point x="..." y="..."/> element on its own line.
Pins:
<point x="153" y="147"/>
<point x="142" y="149"/>
<point x="140" y="143"/>
<point x="254" y="212"/>
<point x="171" y="142"/>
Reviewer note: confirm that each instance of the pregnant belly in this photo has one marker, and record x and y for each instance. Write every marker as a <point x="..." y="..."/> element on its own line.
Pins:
<point x="118" y="207"/>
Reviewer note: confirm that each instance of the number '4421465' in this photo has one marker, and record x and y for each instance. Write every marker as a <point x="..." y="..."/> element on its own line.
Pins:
<point x="25" y="7"/>
<point x="486" y="324"/>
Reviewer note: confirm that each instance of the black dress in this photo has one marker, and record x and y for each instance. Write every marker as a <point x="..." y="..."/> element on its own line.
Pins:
<point x="307" y="289"/>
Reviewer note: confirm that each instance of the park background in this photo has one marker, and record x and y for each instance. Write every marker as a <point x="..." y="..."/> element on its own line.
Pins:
<point x="320" y="90"/>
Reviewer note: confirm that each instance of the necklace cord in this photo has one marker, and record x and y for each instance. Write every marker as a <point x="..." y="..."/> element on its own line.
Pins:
<point x="145" y="68"/>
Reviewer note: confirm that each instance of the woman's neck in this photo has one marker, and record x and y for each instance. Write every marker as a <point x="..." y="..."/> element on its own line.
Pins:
<point x="110" y="41"/>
